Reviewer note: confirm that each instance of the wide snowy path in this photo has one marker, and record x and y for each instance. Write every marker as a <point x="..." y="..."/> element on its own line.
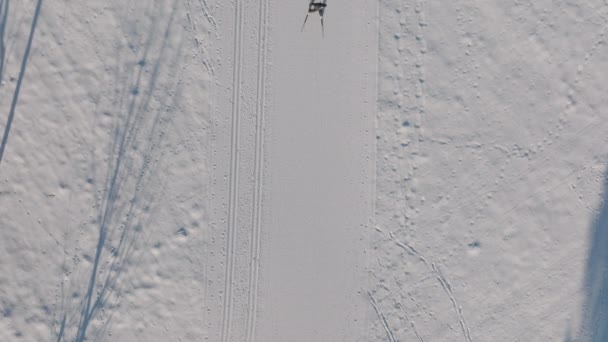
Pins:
<point x="293" y="178"/>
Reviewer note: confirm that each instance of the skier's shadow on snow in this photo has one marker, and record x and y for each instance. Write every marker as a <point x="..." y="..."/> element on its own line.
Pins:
<point x="595" y="309"/>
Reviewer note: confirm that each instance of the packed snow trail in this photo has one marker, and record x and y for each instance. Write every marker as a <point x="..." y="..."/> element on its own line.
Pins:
<point x="293" y="180"/>
<point x="319" y="174"/>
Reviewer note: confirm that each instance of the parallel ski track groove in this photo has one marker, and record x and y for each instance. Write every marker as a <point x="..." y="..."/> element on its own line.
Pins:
<point x="234" y="165"/>
<point x="389" y="333"/>
<point x="259" y="155"/>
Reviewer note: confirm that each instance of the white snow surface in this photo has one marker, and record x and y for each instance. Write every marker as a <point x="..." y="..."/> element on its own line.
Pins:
<point x="203" y="170"/>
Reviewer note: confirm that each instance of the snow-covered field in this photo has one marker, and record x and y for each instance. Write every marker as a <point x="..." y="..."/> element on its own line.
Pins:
<point x="201" y="170"/>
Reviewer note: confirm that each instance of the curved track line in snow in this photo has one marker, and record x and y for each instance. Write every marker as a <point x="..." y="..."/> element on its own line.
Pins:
<point x="442" y="280"/>
<point x="234" y="172"/>
<point x="549" y="154"/>
<point x="399" y="305"/>
<point x="387" y="329"/>
<point x="256" y="220"/>
<point x="448" y="289"/>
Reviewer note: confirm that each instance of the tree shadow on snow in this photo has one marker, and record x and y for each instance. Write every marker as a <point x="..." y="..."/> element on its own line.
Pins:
<point x="3" y="19"/>
<point x="128" y="191"/>
<point x="595" y="315"/>
<point x="11" y="113"/>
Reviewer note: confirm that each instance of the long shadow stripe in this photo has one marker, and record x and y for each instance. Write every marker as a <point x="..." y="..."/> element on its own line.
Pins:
<point x="4" y="18"/>
<point x="11" y="114"/>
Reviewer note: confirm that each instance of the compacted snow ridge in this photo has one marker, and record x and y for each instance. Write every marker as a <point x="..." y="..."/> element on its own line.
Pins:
<point x="205" y="170"/>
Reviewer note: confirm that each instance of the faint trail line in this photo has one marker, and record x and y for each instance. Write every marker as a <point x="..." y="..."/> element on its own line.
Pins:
<point x="599" y="41"/>
<point x="474" y="198"/>
<point x="234" y="172"/>
<point x="11" y="113"/>
<point x="504" y="216"/>
<point x="448" y="289"/>
<point x="422" y="49"/>
<point x="560" y="182"/>
<point x="39" y="223"/>
<point x="374" y="172"/>
<point x="259" y="155"/>
<point x="520" y="291"/>
<point x="389" y="333"/>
